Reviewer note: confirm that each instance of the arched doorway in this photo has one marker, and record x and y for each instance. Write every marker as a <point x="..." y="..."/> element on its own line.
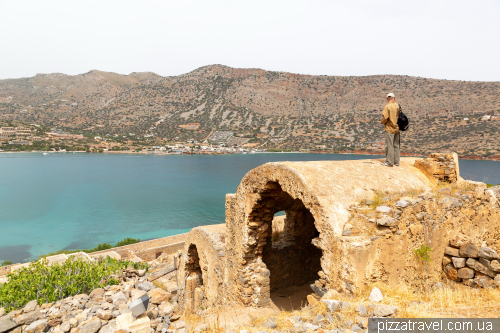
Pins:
<point x="283" y="270"/>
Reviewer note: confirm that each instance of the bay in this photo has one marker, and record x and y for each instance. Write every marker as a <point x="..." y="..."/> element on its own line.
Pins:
<point x="75" y="201"/>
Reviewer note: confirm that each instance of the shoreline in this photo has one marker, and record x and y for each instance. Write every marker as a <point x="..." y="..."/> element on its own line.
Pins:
<point x="495" y="158"/>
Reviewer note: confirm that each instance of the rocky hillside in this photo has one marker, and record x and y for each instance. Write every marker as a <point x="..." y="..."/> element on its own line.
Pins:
<point x="276" y="109"/>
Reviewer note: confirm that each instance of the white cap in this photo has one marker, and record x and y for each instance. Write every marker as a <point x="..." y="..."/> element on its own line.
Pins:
<point x="390" y="95"/>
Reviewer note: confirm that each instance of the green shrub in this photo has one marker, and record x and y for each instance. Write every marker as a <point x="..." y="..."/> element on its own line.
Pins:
<point x="127" y="241"/>
<point x="99" y="247"/>
<point x="46" y="284"/>
<point x="5" y="263"/>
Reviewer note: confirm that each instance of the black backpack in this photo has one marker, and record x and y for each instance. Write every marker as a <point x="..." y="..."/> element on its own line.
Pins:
<point x="403" y="121"/>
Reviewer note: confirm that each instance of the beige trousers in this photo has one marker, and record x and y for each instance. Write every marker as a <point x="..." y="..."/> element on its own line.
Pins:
<point x="392" y="148"/>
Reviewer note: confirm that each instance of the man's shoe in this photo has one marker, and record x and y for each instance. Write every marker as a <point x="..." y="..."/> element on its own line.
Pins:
<point x="396" y="165"/>
<point x="387" y="164"/>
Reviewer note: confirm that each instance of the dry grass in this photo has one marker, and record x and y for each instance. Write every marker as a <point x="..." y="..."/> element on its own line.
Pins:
<point x="454" y="301"/>
<point x="378" y="199"/>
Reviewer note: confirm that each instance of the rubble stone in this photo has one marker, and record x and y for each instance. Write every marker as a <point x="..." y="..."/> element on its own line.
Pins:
<point x="465" y="273"/>
<point x="452" y="251"/>
<point x="332" y="305"/>
<point x="469" y="250"/>
<point x="383" y="209"/>
<point x="458" y="262"/>
<point x="476" y="265"/>
<point x="488" y="253"/>
<point x="38" y="326"/>
<point x="30" y="306"/>
<point x="375" y="295"/>
<point x="6" y="324"/>
<point x="382" y="310"/>
<point x="451" y="272"/>
<point x="485" y="282"/>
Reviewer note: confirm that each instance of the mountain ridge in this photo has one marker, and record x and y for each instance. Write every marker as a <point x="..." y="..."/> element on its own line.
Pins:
<point x="264" y="104"/>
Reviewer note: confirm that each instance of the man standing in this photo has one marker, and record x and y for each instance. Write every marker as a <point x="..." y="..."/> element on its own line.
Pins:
<point x="390" y="120"/>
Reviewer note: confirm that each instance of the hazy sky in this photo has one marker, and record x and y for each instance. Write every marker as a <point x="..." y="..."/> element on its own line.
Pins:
<point x="447" y="39"/>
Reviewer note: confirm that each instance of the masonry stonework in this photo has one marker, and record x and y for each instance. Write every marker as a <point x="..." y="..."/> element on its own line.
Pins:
<point x="326" y="240"/>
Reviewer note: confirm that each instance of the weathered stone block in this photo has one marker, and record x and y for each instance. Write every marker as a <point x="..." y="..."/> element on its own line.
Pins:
<point x="465" y="273"/>
<point x="387" y="221"/>
<point x="485" y="282"/>
<point x="446" y="261"/>
<point x="458" y="262"/>
<point x="383" y="209"/>
<point x="38" y="326"/>
<point x="28" y="318"/>
<point x="127" y="321"/>
<point x="92" y="326"/>
<point x="6" y="324"/>
<point x="402" y="204"/>
<point x="30" y="306"/>
<point x="469" y="250"/>
<point x="459" y="240"/>
<point x="452" y="252"/>
<point x="158" y="295"/>
<point x="332" y="305"/>
<point x="451" y="272"/>
<point x="488" y="253"/>
<point x="495" y="265"/>
<point x="476" y="265"/>
<point x="382" y="310"/>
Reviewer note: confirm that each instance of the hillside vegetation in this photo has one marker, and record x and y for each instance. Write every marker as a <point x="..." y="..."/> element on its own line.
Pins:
<point x="274" y="109"/>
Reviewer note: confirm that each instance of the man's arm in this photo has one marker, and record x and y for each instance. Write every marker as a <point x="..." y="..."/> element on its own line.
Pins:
<point x="385" y="115"/>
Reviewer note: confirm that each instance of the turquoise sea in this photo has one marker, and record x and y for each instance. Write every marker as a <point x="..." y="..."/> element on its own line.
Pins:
<point x="74" y="201"/>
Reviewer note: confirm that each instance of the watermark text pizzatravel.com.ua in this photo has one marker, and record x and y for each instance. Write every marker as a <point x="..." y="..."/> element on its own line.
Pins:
<point x="424" y="325"/>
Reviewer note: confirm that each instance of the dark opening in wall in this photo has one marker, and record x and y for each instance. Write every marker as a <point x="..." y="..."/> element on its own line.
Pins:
<point x="194" y="281"/>
<point x="285" y="246"/>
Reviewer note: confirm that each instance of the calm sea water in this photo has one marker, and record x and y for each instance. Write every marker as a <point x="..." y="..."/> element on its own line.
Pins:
<point x="74" y="201"/>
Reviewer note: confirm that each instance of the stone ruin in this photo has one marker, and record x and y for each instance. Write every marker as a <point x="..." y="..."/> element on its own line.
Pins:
<point x="301" y="229"/>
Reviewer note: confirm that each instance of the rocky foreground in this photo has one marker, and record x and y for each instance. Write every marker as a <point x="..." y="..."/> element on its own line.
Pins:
<point x="104" y="310"/>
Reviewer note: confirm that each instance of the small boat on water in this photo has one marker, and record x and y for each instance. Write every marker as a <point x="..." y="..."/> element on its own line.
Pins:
<point x="45" y="153"/>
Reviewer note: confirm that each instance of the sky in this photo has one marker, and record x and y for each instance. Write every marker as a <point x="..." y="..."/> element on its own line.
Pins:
<point x="443" y="39"/>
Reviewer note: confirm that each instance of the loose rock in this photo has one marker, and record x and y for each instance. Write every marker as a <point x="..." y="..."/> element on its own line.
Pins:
<point x="332" y="305"/>
<point x="402" y="203"/>
<point x="30" y="306"/>
<point x="361" y="309"/>
<point x="387" y="221"/>
<point x="382" y="310"/>
<point x="383" y="209"/>
<point x="158" y="295"/>
<point x="375" y="295"/>
<point x="146" y="286"/>
<point x="38" y="326"/>
<point x="6" y="324"/>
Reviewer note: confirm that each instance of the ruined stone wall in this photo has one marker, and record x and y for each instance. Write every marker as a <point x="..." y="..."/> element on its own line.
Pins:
<point x="386" y="252"/>
<point x="325" y="189"/>
<point x="440" y="167"/>
<point x="333" y="237"/>
<point x="151" y="254"/>
<point x="202" y="267"/>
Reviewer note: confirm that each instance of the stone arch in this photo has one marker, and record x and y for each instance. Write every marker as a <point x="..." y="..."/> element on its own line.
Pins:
<point x="202" y="268"/>
<point x="267" y="268"/>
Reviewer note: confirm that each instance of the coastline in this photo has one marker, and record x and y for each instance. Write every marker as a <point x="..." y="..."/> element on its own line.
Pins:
<point x="495" y="158"/>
